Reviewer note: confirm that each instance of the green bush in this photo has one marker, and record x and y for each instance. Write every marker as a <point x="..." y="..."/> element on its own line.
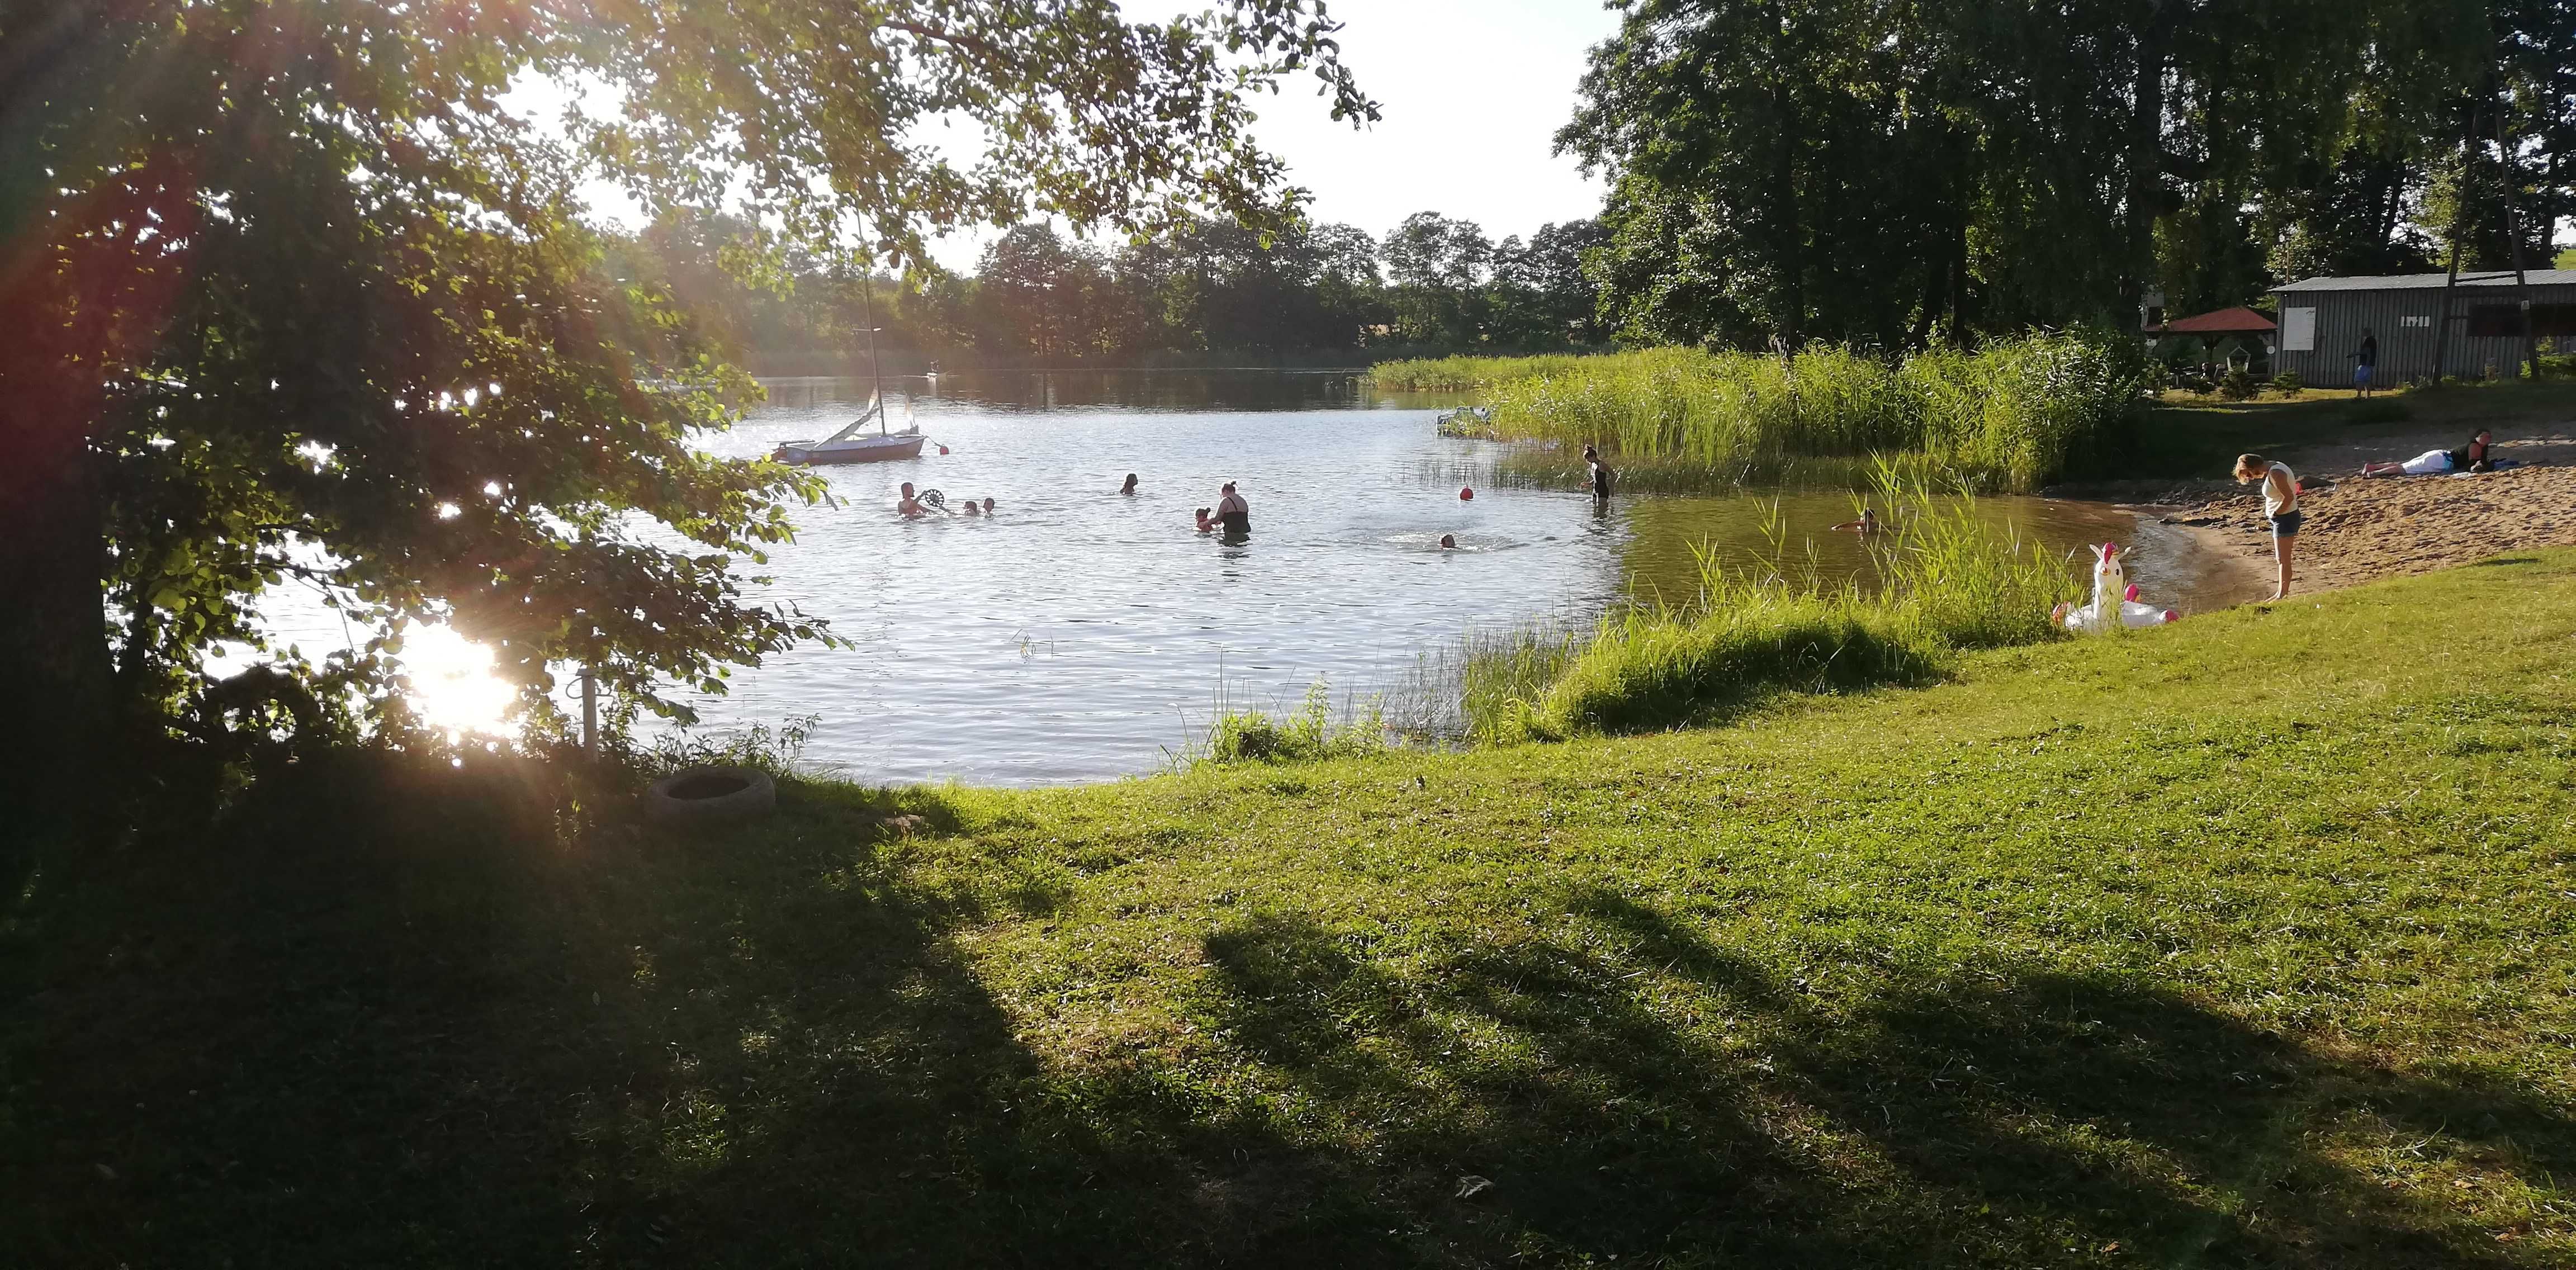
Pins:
<point x="2010" y="416"/>
<point x="1309" y="734"/>
<point x="2238" y="384"/>
<point x="2288" y="383"/>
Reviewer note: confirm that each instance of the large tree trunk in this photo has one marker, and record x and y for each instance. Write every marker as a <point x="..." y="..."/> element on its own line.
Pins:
<point x="53" y="627"/>
<point x="2146" y="157"/>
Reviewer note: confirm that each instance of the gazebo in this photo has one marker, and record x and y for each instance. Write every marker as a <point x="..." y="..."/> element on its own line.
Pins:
<point x="2213" y="327"/>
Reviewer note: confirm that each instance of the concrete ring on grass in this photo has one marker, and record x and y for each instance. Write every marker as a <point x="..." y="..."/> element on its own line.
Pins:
<point x="712" y="793"/>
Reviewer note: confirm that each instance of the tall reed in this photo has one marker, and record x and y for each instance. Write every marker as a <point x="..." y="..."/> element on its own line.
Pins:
<point x="2010" y="416"/>
<point x="1948" y="581"/>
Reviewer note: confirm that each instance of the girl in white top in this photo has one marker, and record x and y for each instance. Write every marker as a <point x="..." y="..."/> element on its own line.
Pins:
<point x="2280" y="506"/>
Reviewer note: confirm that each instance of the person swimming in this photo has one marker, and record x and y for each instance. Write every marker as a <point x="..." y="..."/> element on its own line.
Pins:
<point x="971" y="509"/>
<point x="909" y="506"/>
<point x="1867" y="524"/>
<point x="1448" y="541"/>
<point x="988" y="504"/>
<point x="1130" y="486"/>
<point x="1205" y="525"/>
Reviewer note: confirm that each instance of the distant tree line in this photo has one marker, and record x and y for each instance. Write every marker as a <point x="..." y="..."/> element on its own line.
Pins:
<point x="1898" y="174"/>
<point x="1205" y="291"/>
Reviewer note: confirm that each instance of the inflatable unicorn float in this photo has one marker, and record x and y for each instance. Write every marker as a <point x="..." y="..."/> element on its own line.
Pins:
<point x="2115" y="599"/>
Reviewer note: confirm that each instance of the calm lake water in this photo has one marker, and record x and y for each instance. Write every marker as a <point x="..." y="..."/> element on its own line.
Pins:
<point x="1079" y="635"/>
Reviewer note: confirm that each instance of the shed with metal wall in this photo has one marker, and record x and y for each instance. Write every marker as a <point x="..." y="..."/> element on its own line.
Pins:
<point x="2321" y="321"/>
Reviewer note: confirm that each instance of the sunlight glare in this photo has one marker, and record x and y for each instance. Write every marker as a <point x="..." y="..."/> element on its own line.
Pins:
<point x="452" y="683"/>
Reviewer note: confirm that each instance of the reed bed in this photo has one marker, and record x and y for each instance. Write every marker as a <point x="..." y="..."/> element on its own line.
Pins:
<point x="1948" y="581"/>
<point x="2007" y="417"/>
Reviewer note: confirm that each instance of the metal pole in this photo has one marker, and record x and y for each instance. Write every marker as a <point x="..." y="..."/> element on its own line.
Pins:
<point x="2513" y="240"/>
<point x="589" y="709"/>
<point x="876" y="377"/>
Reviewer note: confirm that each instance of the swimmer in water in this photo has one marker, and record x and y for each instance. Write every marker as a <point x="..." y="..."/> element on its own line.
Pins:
<point x="970" y="507"/>
<point x="908" y="506"/>
<point x="1448" y="541"/>
<point x="1867" y="524"/>
<point x="1205" y="525"/>
<point x="1130" y="486"/>
<point x="988" y="504"/>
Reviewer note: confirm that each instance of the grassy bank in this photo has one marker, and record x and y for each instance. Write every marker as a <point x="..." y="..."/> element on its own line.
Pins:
<point x="2010" y="416"/>
<point x="2240" y="942"/>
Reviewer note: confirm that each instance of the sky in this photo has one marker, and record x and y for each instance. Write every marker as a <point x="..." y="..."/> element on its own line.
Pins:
<point x="1471" y="93"/>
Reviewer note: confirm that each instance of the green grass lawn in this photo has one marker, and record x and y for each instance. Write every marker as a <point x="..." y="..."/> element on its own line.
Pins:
<point x="2244" y="942"/>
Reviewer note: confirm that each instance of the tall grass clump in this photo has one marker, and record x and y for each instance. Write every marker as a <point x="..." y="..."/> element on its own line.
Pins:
<point x="1304" y="735"/>
<point x="1948" y="581"/>
<point x="2009" y="416"/>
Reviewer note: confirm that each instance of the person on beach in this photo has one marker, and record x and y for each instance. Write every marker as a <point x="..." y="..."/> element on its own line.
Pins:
<point x="1130" y="486"/>
<point x="2280" y="506"/>
<point x="909" y="506"/>
<point x="2472" y="457"/>
<point x="1867" y="524"/>
<point x="2365" y="360"/>
<point x="1600" y="472"/>
<point x="1233" y="513"/>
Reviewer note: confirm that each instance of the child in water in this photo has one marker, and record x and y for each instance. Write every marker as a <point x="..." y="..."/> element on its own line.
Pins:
<point x="1448" y="541"/>
<point x="1867" y="524"/>
<point x="1206" y="526"/>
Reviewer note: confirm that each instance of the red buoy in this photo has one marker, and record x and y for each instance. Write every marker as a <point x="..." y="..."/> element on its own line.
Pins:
<point x="1465" y="494"/>
<point x="943" y="449"/>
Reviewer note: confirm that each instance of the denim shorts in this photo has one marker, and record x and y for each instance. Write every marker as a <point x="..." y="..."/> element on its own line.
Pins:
<point x="2286" y="525"/>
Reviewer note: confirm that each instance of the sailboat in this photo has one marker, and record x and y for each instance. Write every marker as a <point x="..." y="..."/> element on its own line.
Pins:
<point x="848" y="446"/>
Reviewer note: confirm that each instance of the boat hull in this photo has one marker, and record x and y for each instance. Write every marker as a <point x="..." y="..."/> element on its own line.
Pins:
<point x="855" y="450"/>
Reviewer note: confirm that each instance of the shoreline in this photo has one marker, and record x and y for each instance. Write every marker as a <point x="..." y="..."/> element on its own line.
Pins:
<point x="2360" y="531"/>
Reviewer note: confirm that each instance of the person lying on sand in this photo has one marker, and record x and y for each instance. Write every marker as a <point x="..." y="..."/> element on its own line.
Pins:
<point x="2473" y="457"/>
<point x="1867" y="524"/>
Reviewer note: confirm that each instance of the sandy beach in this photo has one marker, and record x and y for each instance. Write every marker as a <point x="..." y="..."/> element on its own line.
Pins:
<point x="2364" y="530"/>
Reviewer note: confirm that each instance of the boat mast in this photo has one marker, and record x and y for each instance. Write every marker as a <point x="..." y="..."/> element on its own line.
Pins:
<point x="876" y="371"/>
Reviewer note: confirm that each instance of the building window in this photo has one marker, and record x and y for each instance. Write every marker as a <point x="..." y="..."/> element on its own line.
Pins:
<point x="2557" y="321"/>
<point x="2424" y="320"/>
<point x="2495" y="321"/>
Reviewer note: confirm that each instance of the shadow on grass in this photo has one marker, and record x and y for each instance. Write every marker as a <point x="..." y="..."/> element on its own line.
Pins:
<point x="397" y="1019"/>
<point x="2032" y="1118"/>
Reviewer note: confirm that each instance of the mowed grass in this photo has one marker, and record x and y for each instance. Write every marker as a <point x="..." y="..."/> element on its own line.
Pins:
<point x="2242" y="942"/>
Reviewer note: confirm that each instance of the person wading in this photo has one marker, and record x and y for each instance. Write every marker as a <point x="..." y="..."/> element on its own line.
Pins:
<point x="1233" y="513"/>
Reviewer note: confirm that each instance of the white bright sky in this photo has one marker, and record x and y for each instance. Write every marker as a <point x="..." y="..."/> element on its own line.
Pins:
<point x="1471" y="93"/>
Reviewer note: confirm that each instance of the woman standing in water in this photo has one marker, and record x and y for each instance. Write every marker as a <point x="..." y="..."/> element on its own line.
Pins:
<point x="1233" y="513"/>
<point x="1600" y="472"/>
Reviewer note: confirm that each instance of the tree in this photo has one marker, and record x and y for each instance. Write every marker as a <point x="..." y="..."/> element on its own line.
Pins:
<point x="295" y="296"/>
<point x="1892" y="173"/>
<point x="1436" y="266"/>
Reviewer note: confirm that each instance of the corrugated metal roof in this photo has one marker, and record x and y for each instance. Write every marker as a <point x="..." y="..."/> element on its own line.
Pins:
<point x="2432" y="281"/>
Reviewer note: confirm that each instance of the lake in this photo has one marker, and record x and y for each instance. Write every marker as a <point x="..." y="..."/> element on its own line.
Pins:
<point x="1079" y="634"/>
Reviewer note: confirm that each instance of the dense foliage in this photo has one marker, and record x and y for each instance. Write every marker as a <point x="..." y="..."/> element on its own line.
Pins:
<point x="1197" y="290"/>
<point x="2011" y="415"/>
<point x="295" y="296"/>
<point x="1892" y="174"/>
